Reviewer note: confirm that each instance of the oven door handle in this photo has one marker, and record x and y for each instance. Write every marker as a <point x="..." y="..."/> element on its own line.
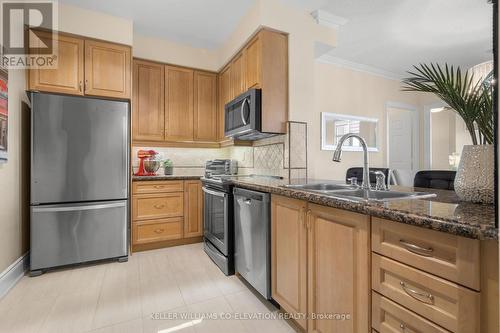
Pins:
<point x="216" y="193"/>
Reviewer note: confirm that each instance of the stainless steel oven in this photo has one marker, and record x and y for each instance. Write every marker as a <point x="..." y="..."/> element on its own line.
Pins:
<point x="218" y="217"/>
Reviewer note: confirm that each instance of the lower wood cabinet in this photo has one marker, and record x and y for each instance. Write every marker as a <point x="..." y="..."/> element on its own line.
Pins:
<point x="193" y="212"/>
<point x="388" y="317"/>
<point x="321" y="265"/>
<point x="165" y="211"/>
<point x="338" y="270"/>
<point x="289" y="255"/>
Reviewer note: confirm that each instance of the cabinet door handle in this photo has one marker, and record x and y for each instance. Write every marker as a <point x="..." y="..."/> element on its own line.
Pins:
<point x="414" y="248"/>
<point x="159" y="206"/>
<point x="428" y="298"/>
<point x="402" y="327"/>
<point x="86" y="84"/>
<point x="80" y="86"/>
<point x="159" y="231"/>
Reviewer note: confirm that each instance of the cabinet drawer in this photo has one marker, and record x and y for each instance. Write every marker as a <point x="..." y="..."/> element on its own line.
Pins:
<point x="388" y="317"/>
<point x="448" y="256"/>
<point x="155" y="206"/>
<point x="154" y="186"/>
<point x="157" y="230"/>
<point x="447" y="304"/>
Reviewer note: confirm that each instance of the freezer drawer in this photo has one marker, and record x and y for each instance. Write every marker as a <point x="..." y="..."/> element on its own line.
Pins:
<point x="252" y="239"/>
<point x="76" y="233"/>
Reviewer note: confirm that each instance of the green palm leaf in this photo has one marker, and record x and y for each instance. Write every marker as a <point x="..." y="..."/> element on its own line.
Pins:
<point x="471" y="100"/>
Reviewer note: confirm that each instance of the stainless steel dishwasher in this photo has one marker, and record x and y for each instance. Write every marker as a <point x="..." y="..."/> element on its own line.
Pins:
<point x="252" y="240"/>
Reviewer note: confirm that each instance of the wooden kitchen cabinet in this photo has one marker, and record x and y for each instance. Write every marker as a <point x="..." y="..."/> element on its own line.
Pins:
<point x="193" y="208"/>
<point x="238" y="66"/>
<point x="321" y="264"/>
<point x="68" y="77"/>
<point x="166" y="213"/>
<point x="179" y="110"/>
<point x="148" y="116"/>
<point x="253" y="63"/>
<point x="338" y="269"/>
<point x="205" y="106"/>
<point x="85" y="67"/>
<point x="107" y="69"/>
<point x="289" y="255"/>
<point x="225" y="96"/>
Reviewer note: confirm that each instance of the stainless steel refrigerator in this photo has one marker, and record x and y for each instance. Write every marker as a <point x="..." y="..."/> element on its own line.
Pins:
<point x="79" y="180"/>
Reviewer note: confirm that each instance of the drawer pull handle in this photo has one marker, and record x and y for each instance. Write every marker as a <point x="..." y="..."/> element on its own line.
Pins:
<point x="422" y="251"/>
<point x="402" y="327"/>
<point x="159" y="186"/>
<point x="159" y="206"/>
<point x="428" y="298"/>
<point x="159" y="231"/>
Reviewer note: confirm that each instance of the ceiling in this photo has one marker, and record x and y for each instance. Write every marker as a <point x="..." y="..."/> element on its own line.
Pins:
<point x="386" y="35"/>
<point x="392" y="35"/>
<point x="199" y="23"/>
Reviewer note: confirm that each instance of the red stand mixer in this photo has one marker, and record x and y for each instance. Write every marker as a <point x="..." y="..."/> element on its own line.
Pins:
<point x="145" y="155"/>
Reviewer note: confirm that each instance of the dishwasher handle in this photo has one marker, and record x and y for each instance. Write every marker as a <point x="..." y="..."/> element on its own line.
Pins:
<point x="248" y="196"/>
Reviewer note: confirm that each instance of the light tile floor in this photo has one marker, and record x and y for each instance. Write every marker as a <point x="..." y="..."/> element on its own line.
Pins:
<point x="177" y="284"/>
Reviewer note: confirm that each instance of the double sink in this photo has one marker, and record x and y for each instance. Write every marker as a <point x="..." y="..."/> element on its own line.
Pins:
<point x="351" y="192"/>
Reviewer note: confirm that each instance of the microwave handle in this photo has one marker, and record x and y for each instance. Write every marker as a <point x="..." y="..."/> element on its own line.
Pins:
<point x="242" y="111"/>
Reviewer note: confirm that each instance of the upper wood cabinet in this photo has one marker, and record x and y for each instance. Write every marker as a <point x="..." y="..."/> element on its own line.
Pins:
<point x="85" y="67"/>
<point x="205" y="106"/>
<point x="67" y="78"/>
<point x="253" y="63"/>
<point x="289" y="255"/>
<point x="339" y="269"/>
<point x="225" y="96"/>
<point x="179" y="110"/>
<point x="107" y="69"/>
<point x="238" y="84"/>
<point x="148" y="116"/>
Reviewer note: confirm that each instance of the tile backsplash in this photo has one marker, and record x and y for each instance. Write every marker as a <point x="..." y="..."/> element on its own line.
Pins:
<point x="280" y="155"/>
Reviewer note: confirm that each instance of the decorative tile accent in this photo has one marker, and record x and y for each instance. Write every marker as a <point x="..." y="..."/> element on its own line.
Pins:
<point x="298" y="173"/>
<point x="268" y="157"/>
<point x="298" y="145"/>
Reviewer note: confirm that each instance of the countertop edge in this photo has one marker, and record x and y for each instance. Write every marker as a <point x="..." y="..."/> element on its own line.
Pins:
<point x="166" y="177"/>
<point x="398" y="216"/>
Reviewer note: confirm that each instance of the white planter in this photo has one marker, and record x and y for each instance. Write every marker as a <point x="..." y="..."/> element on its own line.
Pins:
<point x="475" y="179"/>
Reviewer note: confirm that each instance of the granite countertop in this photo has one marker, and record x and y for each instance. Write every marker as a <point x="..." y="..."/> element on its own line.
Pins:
<point x="163" y="177"/>
<point x="443" y="213"/>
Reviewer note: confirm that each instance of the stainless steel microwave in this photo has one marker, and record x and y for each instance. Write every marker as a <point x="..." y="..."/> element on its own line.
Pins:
<point x="242" y="117"/>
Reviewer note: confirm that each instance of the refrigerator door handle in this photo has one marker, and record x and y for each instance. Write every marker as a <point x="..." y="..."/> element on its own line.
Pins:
<point x="78" y="208"/>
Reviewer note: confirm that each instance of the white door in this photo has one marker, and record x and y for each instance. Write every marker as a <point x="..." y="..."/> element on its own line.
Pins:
<point x="401" y="144"/>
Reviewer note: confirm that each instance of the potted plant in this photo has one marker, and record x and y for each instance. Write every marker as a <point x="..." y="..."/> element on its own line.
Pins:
<point x="168" y="167"/>
<point x="471" y="98"/>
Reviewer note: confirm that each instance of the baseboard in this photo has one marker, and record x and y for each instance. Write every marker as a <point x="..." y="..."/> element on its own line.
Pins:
<point x="12" y="274"/>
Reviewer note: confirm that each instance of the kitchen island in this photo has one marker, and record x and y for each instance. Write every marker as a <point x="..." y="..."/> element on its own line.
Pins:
<point x="342" y="265"/>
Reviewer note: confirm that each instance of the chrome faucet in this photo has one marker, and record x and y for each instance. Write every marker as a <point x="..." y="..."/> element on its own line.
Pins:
<point x="337" y="156"/>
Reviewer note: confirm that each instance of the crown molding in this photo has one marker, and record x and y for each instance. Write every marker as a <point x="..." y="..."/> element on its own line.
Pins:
<point x="329" y="59"/>
<point x="327" y="19"/>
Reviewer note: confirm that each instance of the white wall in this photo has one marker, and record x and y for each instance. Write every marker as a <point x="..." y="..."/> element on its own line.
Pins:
<point x="346" y="91"/>
<point x="93" y="24"/>
<point x="13" y="193"/>
<point x="161" y="50"/>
